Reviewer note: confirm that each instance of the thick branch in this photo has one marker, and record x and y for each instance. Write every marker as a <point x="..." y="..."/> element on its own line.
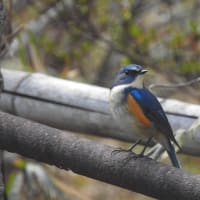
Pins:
<point x="59" y="103"/>
<point x="95" y="160"/>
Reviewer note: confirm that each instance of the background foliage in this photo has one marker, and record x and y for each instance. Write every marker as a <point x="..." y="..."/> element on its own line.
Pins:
<point x="89" y="40"/>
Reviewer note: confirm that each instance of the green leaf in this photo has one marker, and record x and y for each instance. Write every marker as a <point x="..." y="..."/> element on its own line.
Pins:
<point x="194" y="26"/>
<point x="10" y="182"/>
<point x="190" y="67"/>
<point x="135" y="30"/>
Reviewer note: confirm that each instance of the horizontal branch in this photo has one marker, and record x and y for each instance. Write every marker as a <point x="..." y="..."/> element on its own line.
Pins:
<point x="95" y="160"/>
<point x="81" y="108"/>
<point x="75" y="106"/>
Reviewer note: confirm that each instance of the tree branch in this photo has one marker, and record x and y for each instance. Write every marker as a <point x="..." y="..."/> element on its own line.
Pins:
<point x="95" y="160"/>
<point x="59" y="103"/>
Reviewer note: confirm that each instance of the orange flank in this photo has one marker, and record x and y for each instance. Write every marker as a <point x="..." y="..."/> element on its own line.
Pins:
<point x="135" y="109"/>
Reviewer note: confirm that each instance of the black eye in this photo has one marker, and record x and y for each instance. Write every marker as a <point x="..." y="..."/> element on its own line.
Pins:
<point x="134" y="72"/>
<point x="131" y="72"/>
<point x="127" y="72"/>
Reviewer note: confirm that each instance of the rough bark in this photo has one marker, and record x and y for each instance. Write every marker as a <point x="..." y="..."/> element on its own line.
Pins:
<point x="95" y="160"/>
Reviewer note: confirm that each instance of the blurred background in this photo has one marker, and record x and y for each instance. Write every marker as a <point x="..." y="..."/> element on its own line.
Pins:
<point x="89" y="40"/>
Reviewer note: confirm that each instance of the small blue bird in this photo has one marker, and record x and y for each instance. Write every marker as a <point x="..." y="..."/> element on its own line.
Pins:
<point x="137" y="110"/>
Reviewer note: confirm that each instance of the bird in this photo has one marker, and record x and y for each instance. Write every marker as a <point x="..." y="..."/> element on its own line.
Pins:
<point x="138" y="110"/>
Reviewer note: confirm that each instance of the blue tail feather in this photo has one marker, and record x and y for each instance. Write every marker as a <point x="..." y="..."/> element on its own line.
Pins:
<point x="172" y="156"/>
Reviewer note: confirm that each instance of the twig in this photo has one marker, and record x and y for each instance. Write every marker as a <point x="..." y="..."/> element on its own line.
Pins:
<point x="184" y="84"/>
<point x="5" y="31"/>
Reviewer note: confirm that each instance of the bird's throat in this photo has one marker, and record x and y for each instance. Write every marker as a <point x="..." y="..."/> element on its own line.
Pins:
<point x="138" y="82"/>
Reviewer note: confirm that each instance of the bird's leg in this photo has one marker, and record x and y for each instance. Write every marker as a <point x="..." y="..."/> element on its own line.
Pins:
<point x="130" y="149"/>
<point x="145" y="147"/>
<point x="134" y="145"/>
<point x="141" y="154"/>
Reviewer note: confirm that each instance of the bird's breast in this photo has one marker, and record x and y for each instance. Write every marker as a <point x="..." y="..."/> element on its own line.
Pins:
<point x="128" y="113"/>
<point x="135" y="109"/>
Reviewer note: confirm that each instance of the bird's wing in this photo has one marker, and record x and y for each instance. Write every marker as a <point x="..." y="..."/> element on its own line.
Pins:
<point x="153" y="111"/>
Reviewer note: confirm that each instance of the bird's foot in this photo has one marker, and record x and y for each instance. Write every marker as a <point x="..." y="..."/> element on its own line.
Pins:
<point x="132" y="156"/>
<point x="120" y="150"/>
<point x="129" y="150"/>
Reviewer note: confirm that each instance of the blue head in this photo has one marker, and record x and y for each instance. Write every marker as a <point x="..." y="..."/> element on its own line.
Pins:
<point x="128" y="74"/>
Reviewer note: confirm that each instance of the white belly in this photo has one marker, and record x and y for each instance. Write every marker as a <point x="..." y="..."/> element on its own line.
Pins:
<point x="126" y="120"/>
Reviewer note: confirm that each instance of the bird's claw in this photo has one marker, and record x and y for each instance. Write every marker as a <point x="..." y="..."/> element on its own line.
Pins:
<point x="130" y="155"/>
<point x="120" y="150"/>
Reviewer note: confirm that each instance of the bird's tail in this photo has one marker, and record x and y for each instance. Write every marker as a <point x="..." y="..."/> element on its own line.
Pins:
<point x="172" y="155"/>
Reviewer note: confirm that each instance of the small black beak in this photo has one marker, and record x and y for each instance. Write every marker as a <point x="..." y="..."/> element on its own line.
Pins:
<point x="143" y="71"/>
